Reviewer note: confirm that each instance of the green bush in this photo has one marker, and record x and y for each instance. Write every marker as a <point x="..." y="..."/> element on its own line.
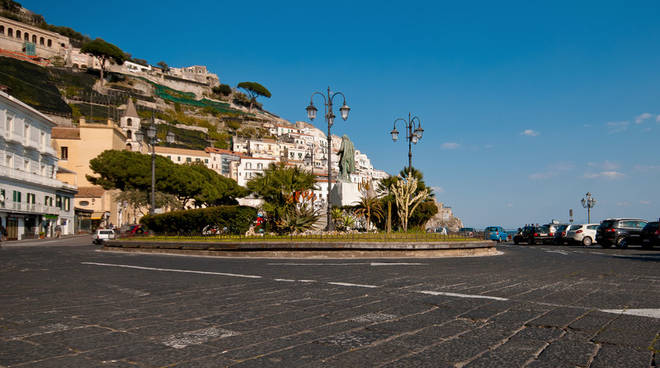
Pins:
<point x="237" y="220"/>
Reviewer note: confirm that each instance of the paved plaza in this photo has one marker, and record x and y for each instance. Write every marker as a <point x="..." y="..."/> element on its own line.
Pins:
<point x="67" y="304"/>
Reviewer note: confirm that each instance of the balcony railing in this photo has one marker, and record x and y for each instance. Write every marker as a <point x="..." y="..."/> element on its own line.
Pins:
<point x="35" y="208"/>
<point x="31" y="177"/>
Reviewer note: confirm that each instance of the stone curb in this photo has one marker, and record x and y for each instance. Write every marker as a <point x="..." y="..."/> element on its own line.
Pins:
<point x="310" y="249"/>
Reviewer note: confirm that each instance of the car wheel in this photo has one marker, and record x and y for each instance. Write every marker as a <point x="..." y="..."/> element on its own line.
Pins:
<point x="622" y="242"/>
<point x="586" y="241"/>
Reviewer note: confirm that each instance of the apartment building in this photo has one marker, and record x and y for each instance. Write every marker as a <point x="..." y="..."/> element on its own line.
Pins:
<point x="32" y="201"/>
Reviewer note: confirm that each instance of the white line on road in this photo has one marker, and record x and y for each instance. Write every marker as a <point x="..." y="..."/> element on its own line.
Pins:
<point x="285" y="280"/>
<point x="557" y="251"/>
<point x="653" y="313"/>
<point x="354" y="285"/>
<point x="470" y="296"/>
<point x="373" y="264"/>
<point x="172" y="270"/>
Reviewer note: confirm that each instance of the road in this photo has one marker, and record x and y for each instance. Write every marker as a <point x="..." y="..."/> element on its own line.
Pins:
<point x="67" y="304"/>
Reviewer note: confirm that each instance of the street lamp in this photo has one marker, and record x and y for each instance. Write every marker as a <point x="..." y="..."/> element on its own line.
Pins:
<point x="411" y="136"/>
<point x="330" y="118"/>
<point x="589" y="202"/>
<point x="151" y="134"/>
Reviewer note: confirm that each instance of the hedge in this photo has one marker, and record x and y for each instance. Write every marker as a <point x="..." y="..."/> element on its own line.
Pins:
<point x="236" y="219"/>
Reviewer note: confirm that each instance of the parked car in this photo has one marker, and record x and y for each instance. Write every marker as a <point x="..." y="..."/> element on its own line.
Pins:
<point x="561" y="233"/>
<point x="533" y="235"/>
<point x="103" y="235"/>
<point x="466" y="231"/>
<point x="583" y="233"/>
<point x="651" y="234"/>
<point x="620" y="232"/>
<point x="496" y="233"/>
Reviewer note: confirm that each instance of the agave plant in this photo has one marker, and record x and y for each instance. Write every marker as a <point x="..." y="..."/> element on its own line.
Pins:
<point x="297" y="219"/>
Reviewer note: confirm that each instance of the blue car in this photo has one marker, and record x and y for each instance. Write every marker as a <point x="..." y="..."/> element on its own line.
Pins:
<point x="496" y="233"/>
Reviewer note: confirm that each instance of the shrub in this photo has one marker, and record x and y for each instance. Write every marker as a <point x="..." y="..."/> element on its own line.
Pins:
<point x="236" y="219"/>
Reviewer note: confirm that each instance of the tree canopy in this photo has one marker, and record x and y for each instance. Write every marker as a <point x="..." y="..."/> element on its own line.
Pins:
<point x="104" y="51"/>
<point x="255" y="90"/>
<point x="126" y="170"/>
<point x="164" y="66"/>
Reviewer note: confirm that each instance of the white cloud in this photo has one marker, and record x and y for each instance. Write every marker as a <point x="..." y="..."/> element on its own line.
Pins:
<point x="605" y="165"/>
<point x="612" y="175"/>
<point x="450" y="145"/>
<point x="530" y="133"/>
<point x="640" y="118"/>
<point x="646" y="203"/>
<point x="617" y="126"/>
<point x="438" y="190"/>
<point x="553" y="170"/>
<point x="623" y="204"/>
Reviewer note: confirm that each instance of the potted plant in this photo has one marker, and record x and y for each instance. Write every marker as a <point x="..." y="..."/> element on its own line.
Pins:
<point x="42" y="234"/>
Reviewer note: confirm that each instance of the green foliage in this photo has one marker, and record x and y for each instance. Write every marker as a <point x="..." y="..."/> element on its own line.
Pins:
<point x="126" y="170"/>
<point x="10" y="5"/>
<point x="104" y="51"/>
<point x="236" y="219"/>
<point x="222" y="90"/>
<point x="65" y="31"/>
<point x="255" y="90"/>
<point x="164" y="66"/>
<point x="33" y="85"/>
<point x="284" y="190"/>
<point x="297" y="219"/>
<point x="233" y="124"/>
<point x="139" y="61"/>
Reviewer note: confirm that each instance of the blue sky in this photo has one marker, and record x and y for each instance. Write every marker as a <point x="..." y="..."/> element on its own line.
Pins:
<point x="526" y="105"/>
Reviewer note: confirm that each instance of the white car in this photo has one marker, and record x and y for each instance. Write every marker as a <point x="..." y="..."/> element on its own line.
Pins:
<point x="102" y="235"/>
<point x="585" y="234"/>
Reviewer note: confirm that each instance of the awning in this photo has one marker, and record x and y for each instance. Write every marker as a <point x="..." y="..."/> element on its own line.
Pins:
<point x="50" y="217"/>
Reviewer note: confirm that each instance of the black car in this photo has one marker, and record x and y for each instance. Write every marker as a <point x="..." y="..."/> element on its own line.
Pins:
<point x="620" y="232"/>
<point x="560" y="233"/>
<point x="533" y="235"/>
<point x="651" y="234"/>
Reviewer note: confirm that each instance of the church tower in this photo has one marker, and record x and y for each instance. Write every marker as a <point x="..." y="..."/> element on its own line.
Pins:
<point x="130" y="124"/>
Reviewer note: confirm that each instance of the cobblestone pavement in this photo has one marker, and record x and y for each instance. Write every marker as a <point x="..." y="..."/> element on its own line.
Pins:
<point x="532" y="306"/>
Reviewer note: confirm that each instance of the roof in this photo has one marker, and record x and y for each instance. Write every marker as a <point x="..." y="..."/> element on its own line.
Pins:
<point x="65" y="133"/>
<point x="130" y="110"/>
<point x="180" y="151"/>
<point x="28" y="108"/>
<point x="90" y="192"/>
<point x="222" y="151"/>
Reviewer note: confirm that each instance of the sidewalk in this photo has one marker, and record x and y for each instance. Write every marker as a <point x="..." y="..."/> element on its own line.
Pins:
<point x="45" y="241"/>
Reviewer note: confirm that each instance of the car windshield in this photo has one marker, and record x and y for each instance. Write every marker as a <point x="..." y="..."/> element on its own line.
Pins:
<point x="106" y="232"/>
<point x="491" y="228"/>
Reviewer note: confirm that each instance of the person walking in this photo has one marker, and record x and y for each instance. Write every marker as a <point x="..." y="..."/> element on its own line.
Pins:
<point x="58" y="231"/>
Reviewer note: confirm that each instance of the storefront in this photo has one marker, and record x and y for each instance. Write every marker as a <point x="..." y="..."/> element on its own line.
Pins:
<point x="82" y="221"/>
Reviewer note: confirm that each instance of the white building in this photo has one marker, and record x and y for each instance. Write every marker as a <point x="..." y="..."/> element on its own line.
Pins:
<point x="184" y="156"/>
<point x="32" y="201"/>
<point x="224" y="162"/>
<point x="251" y="166"/>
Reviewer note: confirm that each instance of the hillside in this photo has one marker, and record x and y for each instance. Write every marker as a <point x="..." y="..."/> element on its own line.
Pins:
<point x="69" y="94"/>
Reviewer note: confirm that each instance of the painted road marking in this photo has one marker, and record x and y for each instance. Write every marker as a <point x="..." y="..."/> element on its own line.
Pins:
<point x="653" y="313"/>
<point x="557" y="251"/>
<point x="354" y="285"/>
<point x="373" y="264"/>
<point x="285" y="280"/>
<point x="182" y="340"/>
<point x="172" y="270"/>
<point x="471" y="296"/>
<point x="374" y="317"/>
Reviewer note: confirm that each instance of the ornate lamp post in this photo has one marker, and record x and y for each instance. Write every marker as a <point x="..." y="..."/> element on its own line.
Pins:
<point x="151" y="134"/>
<point x="330" y="118"/>
<point x="412" y="136"/>
<point x="589" y="202"/>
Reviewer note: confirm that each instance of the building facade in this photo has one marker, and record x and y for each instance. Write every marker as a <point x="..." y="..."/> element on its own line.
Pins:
<point x="33" y="41"/>
<point x="33" y="202"/>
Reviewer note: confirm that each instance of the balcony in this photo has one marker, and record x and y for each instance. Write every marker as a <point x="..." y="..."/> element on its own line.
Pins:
<point x="36" y="208"/>
<point x="29" y="177"/>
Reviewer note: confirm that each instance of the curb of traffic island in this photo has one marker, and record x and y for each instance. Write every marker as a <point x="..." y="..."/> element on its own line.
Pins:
<point x="309" y="249"/>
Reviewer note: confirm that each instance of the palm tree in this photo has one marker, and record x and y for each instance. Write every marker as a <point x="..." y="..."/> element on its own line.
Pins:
<point x="369" y="206"/>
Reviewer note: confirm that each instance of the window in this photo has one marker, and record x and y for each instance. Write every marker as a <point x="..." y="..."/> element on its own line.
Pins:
<point x="260" y="166"/>
<point x="67" y="203"/>
<point x="41" y="41"/>
<point x="58" y="201"/>
<point x="188" y="159"/>
<point x="2" y="29"/>
<point x="64" y="153"/>
<point x="129" y="122"/>
<point x="169" y="156"/>
<point x="16" y="196"/>
<point x="206" y="160"/>
<point x="18" y="34"/>
<point x="84" y="203"/>
<point x="50" y="43"/>
<point x="198" y="159"/>
<point x="34" y="39"/>
<point x="129" y="134"/>
<point x="178" y="158"/>
<point x="248" y="165"/>
<point x="30" y="198"/>
<point x="10" y="32"/>
<point x="26" y="36"/>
